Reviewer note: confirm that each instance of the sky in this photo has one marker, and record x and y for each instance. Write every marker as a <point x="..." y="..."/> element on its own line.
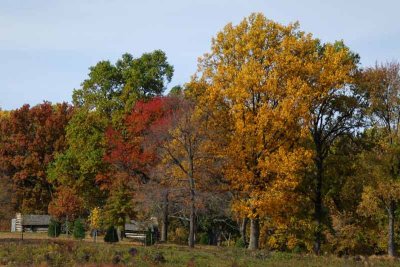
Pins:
<point x="47" y="46"/>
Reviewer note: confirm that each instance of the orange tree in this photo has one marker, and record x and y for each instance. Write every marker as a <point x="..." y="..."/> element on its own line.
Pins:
<point x="30" y="139"/>
<point x="260" y="81"/>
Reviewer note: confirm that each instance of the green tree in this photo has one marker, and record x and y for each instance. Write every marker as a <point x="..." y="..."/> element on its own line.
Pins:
<point x="114" y="88"/>
<point x="54" y="229"/>
<point x="111" y="235"/>
<point x="177" y="90"/>
<point x="79" y="165"/>
<point x="110" y="92"/>
<point x="119" y="206"/>
<point x="79" y="229"/>
<point x="335" y="111"/>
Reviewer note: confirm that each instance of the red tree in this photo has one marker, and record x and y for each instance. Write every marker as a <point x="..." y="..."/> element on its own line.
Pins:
<point x="132" y="153"/>
<point x="132" y="148"/>
<point x="66" y="204"/>
<point x="30" y="138"/>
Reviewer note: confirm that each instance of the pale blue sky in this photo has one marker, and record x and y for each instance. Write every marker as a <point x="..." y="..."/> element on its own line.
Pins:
<point x="46" y="46"/>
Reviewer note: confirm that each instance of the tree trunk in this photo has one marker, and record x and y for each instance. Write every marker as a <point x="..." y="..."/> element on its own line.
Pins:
<point x="391" y="245"/>
<point x="120" y="230"/>
<point x="165" y="221"/>
<point x="213" y="236"/>
<point x="254" y="233"/>
<point x="243" y="228"/>
<point x="191" y="220"/>
<point x="67" y="226"/>
<point x="192" y="201"/>
<point x="318" y="215"/>
<point x="219" y="236"/>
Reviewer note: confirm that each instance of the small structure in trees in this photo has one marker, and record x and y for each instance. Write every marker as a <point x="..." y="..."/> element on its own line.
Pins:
<point x="30" y="223"/>
<point x="145" y="232"/>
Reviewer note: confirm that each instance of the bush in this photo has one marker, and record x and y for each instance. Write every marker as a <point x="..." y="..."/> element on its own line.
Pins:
<point x="54" y="229"/>
<point x="180" y="235"/>
<point x="204" y="239"/>
<point x="111" y="235"/>
<point x="79" y="230"/>
<point x="299" y="248"/>
<point x="240" y="243"/>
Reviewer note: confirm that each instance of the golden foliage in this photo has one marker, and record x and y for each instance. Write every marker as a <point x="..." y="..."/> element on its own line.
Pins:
<point x="95" y="218"/>
<point x="259" y="82"/>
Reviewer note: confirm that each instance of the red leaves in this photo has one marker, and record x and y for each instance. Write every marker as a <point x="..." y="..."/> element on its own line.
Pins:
<point x="133" y="149"/>
<point x="66" y="203"/>
<point x="30" y="138"/>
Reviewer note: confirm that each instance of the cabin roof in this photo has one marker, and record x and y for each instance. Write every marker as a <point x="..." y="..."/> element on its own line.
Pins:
<point x="140" y="226"/>
<point x="35" y="219"/>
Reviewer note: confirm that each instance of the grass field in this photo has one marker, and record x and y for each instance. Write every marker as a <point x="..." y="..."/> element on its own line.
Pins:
<point x="38" y="250"/>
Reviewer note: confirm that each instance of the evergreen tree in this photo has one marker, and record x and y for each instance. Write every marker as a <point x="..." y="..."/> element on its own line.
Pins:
<point x="111" y="235"/>
<point x="79" y="230"/>
<point x="54" y="229"/>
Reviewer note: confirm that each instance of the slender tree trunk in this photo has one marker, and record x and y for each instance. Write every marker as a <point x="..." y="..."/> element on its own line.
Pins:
<point x="67" y="226"/>
<point x="192" y="203"/>
<point x="165" y="221"/>
<point x="191" y="220"/>
<point x="318" y="215"/>
<point x="254" y="233"/>
<point x="219" y="236"/>
<point x="391" y="244"/>
<point x="119" y="233"/>
<point x="212" y="238"/>
<point x="243" y="228"/>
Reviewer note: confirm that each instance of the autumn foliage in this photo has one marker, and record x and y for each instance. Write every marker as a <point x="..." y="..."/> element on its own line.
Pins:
<point x="279" y="141"/>
<point x="31" y="137"/>
<point x="66" y="204"/>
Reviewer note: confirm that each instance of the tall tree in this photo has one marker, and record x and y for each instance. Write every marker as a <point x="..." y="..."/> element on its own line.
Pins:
<point x="6" y="184"/>
<point x="78" y="166"/>
<point x="103" y="100"/>
<point x="31" y="138"/>
<point x="382" y="85"/>
<point x="259" y="78"/>
<point x="183" y="144"/>
<point x="131" y="154"/>
<point x="114" y="88"/>
<point x="335" y="111"/>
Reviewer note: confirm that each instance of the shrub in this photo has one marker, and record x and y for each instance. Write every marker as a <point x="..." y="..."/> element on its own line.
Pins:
<point x="111" y="235"/>
<point x="54" y="229"/>
<point x="204" y="239"/>
<point x="299" y="249"/>
<point x="180" y="235"/>
<point x="159" y="258"/>
<point x="240" y="243"/>
<point x="79" y="230"/>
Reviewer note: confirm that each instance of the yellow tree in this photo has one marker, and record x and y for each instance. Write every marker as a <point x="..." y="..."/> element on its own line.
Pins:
<point x="184" y="147"/>
<point x="382" y="85"/>
<point x="95" y="221"/>
<point x="259" y="81"/>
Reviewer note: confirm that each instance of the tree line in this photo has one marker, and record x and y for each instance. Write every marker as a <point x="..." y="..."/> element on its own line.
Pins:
<point x="278" y="141"/>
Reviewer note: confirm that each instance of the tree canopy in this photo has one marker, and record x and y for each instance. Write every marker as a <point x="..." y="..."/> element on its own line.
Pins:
<point x="279" y="141"/>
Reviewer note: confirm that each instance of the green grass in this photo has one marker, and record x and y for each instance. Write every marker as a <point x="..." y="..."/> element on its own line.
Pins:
<point x="63" y="252"/>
